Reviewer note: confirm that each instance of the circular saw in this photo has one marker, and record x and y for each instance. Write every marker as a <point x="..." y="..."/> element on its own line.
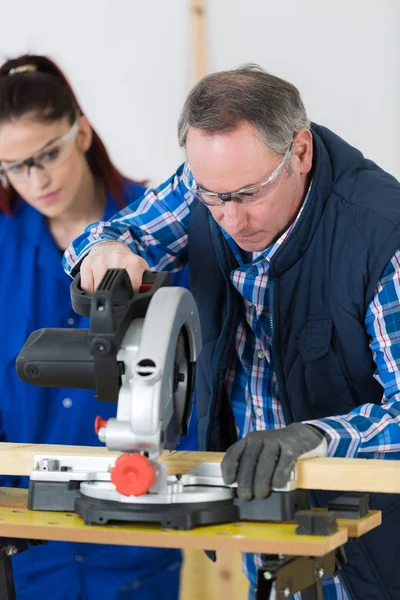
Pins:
<point x="139" y="352"/>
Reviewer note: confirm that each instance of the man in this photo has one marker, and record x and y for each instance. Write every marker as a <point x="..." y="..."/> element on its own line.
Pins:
<point x="292" y="239"/>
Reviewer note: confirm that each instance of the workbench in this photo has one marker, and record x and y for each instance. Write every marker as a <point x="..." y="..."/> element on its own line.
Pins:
<point x="357" y="475"/>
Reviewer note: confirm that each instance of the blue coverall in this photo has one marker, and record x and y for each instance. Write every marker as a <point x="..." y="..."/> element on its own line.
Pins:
<point x="34" y="293"/>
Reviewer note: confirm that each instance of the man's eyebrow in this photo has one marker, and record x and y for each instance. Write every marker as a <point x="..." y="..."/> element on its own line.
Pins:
<point x="16" y="160"/>
<point x="204" y="189"/>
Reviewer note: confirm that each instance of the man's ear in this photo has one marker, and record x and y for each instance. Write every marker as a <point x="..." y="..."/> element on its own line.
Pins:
<point x="85" y="134"/>
<point x="303" y="150"/>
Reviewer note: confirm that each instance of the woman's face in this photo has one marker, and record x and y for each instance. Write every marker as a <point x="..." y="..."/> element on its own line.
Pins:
<point x="45" y="161"/>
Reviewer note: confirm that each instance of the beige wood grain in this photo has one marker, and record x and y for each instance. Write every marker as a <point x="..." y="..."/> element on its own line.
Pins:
<point x="199" y="61"/>
<point x="349" y="474"/>
<point x="358" y="527"/>
<point x="344" y="474"/>
<point x="18" y="459"/>
<point x="13" y="498"/>
<point x="202" y="579"/>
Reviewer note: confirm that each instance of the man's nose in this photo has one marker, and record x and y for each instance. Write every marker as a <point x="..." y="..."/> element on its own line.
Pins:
<point x="234" y="218"/>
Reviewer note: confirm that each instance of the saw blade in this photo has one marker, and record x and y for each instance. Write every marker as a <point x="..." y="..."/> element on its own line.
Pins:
<point x="181" y="392"/>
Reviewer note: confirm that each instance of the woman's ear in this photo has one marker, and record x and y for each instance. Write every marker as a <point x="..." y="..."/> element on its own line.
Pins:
<point x="85" y="134"/>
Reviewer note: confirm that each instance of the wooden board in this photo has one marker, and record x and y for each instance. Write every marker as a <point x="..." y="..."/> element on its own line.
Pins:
<point x="271" y="538"/>
<point x="198" y="41"/>
<point x="345" y="474"/>
<point x="17" y="498"/>
<point x="349" y="475"/>
<point x="358" y="527"/>
<point x="18" y="459"/>
<point x="202" y="579"/>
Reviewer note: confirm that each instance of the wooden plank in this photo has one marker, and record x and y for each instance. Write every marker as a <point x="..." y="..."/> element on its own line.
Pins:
<point x="270" y="538"/>
<point x="349" y="474"/>
<point x="182" y="462"/>
<point x="199" y="60"/>
<point x="346" y="474"/>
<point x="13" y="498"/>
<point x="18" y="459"/>
<point x="202" y="579"/>
<point x="358" y="527"/>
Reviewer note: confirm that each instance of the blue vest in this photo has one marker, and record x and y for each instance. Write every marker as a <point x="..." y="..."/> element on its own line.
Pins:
<point x="321" y="282"/>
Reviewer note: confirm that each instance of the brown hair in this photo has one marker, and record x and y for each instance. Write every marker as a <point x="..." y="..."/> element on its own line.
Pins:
<point x="45" y="91"/>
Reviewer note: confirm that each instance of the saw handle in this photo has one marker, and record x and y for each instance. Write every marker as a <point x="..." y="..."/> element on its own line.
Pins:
<point x="116" y="279"/>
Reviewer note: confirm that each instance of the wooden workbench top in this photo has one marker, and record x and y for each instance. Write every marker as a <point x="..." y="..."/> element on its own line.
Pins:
<point x="271" y="538"/>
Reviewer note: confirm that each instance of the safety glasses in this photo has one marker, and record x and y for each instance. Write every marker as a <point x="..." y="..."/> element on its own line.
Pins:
<point x="250" y="195"/>
<point x="50" y="157"/>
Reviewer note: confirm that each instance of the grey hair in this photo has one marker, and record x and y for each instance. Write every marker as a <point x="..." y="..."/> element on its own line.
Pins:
<point x="220" y="102"/>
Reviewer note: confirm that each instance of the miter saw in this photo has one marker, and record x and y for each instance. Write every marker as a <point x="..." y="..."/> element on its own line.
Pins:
<point x="140" y="352"/>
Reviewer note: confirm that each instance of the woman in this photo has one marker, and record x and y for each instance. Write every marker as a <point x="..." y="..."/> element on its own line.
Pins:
<point x="56" y="178"/>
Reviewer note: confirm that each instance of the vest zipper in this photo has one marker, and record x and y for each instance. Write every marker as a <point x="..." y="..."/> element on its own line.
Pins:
<point x="276" y="366"/>
<point x="220" y="346"/>
<point x="344" y="586"/>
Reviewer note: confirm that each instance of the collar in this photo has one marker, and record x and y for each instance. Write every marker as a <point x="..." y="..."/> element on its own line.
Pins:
<point x="284" y="255"/>
<point x="256" y="258"/>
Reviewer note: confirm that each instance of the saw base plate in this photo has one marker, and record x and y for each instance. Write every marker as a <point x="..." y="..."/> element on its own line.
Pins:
<point x="173" y="516"/>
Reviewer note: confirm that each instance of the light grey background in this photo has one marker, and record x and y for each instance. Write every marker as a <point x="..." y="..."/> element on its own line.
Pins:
<point x="129" y="62"/>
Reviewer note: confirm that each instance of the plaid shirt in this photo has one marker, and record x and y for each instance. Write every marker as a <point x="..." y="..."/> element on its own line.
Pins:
<point x="156" y="226"/>
<point x="251" y="382"/>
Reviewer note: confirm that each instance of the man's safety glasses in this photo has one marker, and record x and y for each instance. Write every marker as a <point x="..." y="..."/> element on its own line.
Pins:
<point x="250" y="195"/>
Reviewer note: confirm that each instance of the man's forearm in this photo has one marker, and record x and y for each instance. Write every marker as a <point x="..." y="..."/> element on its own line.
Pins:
<point x="154" y="227"/>
<point x="369" y="431"/>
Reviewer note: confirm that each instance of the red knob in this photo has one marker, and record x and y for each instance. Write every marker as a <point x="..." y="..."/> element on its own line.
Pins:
<point x="133" y="474"/>
<point x="99" y="423"/>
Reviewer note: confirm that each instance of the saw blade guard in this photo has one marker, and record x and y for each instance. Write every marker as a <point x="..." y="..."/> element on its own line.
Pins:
<point x="159" y="354"/>
<point x="140" y="351"/>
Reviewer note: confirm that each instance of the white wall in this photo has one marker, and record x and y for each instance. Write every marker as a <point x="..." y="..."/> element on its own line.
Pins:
<point x="129" y="61"/>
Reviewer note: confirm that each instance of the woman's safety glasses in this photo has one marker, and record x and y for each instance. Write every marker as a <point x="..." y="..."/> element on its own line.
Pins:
<point x="50" y="157"/>
<point x="250" y="195"/>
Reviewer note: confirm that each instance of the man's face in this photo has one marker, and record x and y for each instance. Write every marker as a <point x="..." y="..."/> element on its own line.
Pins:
<point x="227" y="162"/>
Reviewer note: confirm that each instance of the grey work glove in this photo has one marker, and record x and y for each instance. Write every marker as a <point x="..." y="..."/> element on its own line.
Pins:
<point x="265" y="459"/>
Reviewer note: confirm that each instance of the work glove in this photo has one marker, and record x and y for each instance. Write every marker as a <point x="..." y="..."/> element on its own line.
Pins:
<point x="265" y="459"/>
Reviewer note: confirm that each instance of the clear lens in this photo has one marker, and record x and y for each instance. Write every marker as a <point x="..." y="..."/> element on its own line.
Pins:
<point x="16" y="169"/>
<point x="256" y="196"/>
<point x="247" y="196"/>
<point x="49" y="158"/>
<point x="208" y="198"/>
<point x="55" y="155"/>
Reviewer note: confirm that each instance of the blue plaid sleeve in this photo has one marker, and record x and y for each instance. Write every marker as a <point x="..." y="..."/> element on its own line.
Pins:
<point x="154" y="226"/>
<point x="372" y="430"/>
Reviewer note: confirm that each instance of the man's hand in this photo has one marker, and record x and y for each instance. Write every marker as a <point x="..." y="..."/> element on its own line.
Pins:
<point x="264" y="459"/>
<point x="111" y="255"/>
